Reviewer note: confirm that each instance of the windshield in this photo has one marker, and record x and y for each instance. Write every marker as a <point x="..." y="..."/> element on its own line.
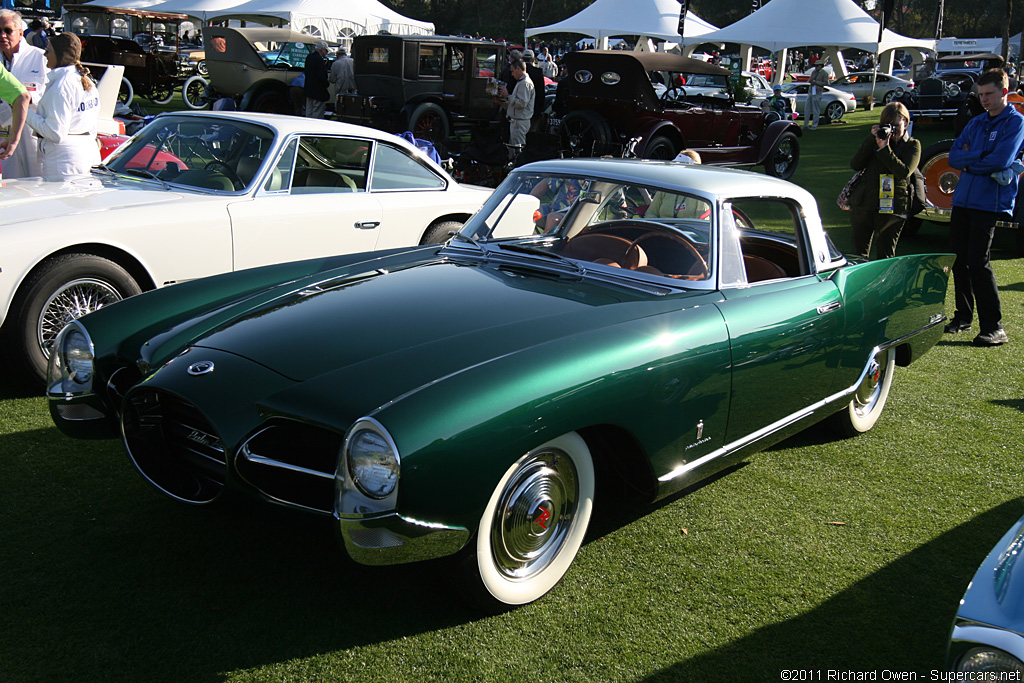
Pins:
<point x="603" y="225"/>
<point x="201" y="152"/>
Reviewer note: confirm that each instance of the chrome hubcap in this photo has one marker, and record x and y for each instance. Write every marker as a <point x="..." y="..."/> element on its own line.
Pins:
<point x="71" y="302"/>
<point x="868" y="391"/>
<point x="534" y="515"/>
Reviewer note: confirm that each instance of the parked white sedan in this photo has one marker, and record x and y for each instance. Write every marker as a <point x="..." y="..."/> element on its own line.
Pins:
<point x="834" y="103"/>
<point x="195" y="194"/>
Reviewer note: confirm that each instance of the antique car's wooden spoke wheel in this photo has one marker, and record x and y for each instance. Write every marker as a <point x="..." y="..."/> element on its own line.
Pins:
<point x="194" y="92"/>
<point x="127" y="93"/>
<point x="584" y="134"/>
<point x="660" y="147"/>
<point x="868" y="400"/>
<point x="784" y="157"/>
<point x="428" y="122"/>
<point x="534" y="523"/>
<point x="161" y="93"/>
<point x="65" y="289"/>
<point x="940" y="178"/>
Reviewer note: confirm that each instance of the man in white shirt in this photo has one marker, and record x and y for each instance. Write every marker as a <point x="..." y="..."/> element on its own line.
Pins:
<point x="819" y="79"/>
<point x="343" y="74"/>
<point x="518" y="106"/>
<point x="28" y="64"/>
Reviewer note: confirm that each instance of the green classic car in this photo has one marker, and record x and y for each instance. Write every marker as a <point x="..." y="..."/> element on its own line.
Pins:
<point x="599" y="329"/>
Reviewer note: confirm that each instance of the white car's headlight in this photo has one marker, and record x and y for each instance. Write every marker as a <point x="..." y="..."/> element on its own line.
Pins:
<point x="71" y="362"/>
<point x="372" y="459"/>
<point x="991" y="660"/>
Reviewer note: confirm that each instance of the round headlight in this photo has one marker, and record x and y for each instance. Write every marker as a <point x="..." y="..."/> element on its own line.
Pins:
<point x="987" y="659"/>
<point x="372" y="462"/>
<point x="78" y="357"/>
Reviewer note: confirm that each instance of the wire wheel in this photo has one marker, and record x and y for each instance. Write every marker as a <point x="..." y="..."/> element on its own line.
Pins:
<point x="70" y="302"/>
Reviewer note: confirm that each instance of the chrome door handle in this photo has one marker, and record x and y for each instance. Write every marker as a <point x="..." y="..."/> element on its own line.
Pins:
<point x="366" y="225"/>
<point x="829" y="307"/>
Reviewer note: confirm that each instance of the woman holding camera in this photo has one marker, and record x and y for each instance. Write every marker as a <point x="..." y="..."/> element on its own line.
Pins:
<point x="880" y="200"/>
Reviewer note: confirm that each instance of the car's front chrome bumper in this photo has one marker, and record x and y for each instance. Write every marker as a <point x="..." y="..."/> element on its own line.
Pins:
<point x="394" y="539"/>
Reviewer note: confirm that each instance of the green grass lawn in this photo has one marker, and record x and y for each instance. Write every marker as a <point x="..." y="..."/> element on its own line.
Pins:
<point x="818" y="554"/>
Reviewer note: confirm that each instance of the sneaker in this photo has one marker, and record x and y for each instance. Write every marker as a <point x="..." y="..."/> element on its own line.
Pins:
<point x="993" y="338"/>
<point x="955" y="326"/>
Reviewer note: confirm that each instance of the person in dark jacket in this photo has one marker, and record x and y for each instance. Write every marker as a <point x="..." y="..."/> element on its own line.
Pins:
<point x="985" y="194"/>
<point x="880" y="201"/>
<point x="317" y="72"/>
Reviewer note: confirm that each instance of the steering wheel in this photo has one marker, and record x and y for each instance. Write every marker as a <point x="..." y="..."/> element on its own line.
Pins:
<point x="674" y="93"/>
<point x="610" y="250"/>
<point x="696" y="269"/>
<point x="227" y="171"/>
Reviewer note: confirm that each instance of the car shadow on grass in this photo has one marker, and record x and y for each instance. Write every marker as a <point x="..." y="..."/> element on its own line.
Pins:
<point x="113" y="581"/>
<point x="882" y="622"/>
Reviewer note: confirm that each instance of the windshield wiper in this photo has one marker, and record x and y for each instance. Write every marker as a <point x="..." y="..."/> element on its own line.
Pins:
<point x="146" y="173"/>
<point x="534" y="251"/>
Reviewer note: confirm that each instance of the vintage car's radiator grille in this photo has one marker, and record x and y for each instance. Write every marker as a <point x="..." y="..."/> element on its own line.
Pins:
<point x="174" y="446"/>
<point x="292" y="463"/>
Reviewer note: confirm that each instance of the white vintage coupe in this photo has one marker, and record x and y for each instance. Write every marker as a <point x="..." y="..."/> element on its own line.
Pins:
<point x="195" y="194"/>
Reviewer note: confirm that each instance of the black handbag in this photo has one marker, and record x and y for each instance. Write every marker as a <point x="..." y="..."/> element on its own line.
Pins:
<point x="843" y="200"/>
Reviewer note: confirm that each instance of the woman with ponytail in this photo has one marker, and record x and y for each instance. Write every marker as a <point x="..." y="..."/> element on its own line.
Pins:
<point x="65" y="119"/>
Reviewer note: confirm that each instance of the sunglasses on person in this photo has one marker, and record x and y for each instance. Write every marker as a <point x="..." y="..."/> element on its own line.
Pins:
<point x="7" y="30"/>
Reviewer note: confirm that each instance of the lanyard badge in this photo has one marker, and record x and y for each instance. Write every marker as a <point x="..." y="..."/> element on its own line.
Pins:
<point x="886" y="192"/>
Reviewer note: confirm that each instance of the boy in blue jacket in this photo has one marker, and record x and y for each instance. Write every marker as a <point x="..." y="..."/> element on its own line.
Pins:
<point x="984" y="150"/>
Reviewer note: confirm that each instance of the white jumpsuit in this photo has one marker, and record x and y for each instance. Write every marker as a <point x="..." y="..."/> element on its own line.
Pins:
<point x="65" y="120"/>
<point x="28" y="65"/>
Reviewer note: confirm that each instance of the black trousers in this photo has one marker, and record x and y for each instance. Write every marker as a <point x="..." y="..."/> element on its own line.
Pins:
<point x="870" y="224"/>
<point x="974" y="283"/>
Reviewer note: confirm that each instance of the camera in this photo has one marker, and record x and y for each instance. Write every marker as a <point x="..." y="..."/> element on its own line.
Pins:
<point x="884" y="131"/>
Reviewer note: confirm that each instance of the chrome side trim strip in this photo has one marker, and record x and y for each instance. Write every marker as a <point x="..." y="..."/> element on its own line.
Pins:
<point x="775" y="426"/>
<point x="270" y="462"/>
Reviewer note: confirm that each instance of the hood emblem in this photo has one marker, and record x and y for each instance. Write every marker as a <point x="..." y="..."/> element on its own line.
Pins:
<point x="203" y="367"/>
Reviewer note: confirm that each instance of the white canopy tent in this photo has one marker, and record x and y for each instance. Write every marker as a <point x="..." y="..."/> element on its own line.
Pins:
<point x="331" y="19"/>
<point x="645" y="18"/>
<point x="833" y="24"/>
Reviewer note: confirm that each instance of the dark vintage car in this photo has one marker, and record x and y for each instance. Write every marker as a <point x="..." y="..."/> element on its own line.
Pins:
<point x="255" y="66"/>
<point x="943" y="87"/>
<point x="144" y="42"/>
<point x="479" y="398"/>
<point x="610" y="97"/>
<point x="430" y="85"/>
<point x="986" y="642"/>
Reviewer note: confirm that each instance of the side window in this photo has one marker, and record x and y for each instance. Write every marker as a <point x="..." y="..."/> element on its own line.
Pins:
<point x="328" y="165"/>
<point x="431" y="57"/>
<point x="456" y="59"/>
<point x="486" y="61"/>
<point x="768" y="237"/>
<point x="393" y="169"/>
<point x="281" y="176"/>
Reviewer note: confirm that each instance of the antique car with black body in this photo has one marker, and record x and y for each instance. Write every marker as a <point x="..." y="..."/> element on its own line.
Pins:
<point x="255" y="66"/>
<point x="943" y="87"/>
<point x="153" y="71"/>
<point x="600" y="328"/>
<point x="430" y="85"/>
<point x="609" y="97"/>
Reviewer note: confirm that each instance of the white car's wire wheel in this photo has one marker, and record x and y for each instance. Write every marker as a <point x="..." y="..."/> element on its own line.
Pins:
<point x="64" y="289"/>
<point x="535" y="522"/>
<point x="868" y="401"/>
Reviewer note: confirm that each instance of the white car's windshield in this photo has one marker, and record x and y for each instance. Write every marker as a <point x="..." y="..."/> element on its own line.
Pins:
<point x="202" y="152"/>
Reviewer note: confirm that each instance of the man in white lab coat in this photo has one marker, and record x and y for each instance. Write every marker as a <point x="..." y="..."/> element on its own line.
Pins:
<point x="28" y="64"/>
